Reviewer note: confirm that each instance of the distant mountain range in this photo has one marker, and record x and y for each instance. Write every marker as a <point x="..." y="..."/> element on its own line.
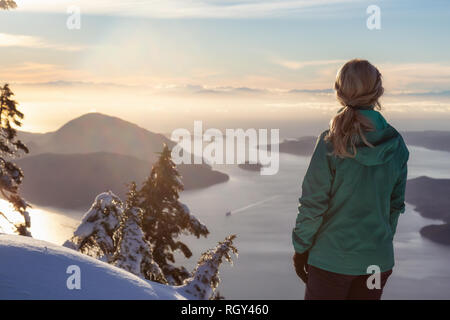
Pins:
<point x="96" y="132"/>
<point x="303" y="146"/>
<point x="433" y="140"/>
<point x="430" y="196"/>
<point x="95" y="153"/>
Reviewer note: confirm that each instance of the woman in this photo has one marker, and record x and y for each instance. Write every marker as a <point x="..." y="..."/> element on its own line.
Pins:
<point x="352" y="195"/>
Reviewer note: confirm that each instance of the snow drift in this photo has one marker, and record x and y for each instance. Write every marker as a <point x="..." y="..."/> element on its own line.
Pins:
<point x="35" y="269"/>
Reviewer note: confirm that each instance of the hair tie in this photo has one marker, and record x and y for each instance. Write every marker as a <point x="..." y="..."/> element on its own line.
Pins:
<point x="360" y="107"/>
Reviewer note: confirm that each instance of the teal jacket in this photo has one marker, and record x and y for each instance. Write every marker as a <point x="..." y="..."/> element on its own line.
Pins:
<point x="349" y="207"/>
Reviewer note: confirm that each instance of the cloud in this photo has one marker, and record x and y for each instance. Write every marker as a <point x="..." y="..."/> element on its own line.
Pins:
<point x="426" y="78"/>
<point x="295" y="65"/>
<point x="418" y="106"/>
<point x="28" y="72"/>
<point x="419" y="79"/>
<point x="183" y="8"/>
<point x="43" y="71"/>
<point x="410" y="78"/>
<point x="443" y="93"/>
<point x="317" y="91"/>
<point x="322" y="106"/>
<point x="229" y="90"/>
<point x="25" y="41"/>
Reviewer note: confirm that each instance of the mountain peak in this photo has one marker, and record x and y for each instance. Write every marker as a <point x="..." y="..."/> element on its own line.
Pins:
<point x="98" y="132"/>
<point x="95" y="119"/>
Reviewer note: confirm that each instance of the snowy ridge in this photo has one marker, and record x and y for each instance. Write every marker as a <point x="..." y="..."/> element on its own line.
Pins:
<point x="35" y="269"/>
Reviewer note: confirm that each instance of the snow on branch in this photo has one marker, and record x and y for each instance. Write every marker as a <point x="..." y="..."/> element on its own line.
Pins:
<point x="195" y="226"/>
<point x="94" y="235"/>
<point x="206" y="275"/>
<point x="134" y="252"/>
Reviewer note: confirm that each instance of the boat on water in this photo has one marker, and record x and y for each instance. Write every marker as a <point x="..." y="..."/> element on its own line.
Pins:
<point x="228" y="213"/>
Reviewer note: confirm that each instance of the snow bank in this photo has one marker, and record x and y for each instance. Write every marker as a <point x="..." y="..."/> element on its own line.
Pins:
<point x="35" y="269"/>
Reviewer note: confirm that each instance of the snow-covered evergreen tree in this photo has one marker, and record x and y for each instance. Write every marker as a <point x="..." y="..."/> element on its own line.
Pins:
<point x="166" y="218"/>
<point x="10" y="174"/>
<point x="205" y="279"/>
<point x="141" y="235"/>
<point x="133" y="251"/>
<point x="112" y="231"/>
<point x="95" y="234"/>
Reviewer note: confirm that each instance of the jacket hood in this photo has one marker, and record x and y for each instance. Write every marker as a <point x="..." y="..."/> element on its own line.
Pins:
<point x="385" y="144"/>
<point x="386" y="141"/>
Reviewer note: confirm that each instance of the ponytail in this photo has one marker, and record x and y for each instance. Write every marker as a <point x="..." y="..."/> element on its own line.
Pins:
<point x="358" y="83"/>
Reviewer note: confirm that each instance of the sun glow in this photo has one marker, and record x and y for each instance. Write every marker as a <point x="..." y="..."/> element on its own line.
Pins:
<point x="45" y="224"/>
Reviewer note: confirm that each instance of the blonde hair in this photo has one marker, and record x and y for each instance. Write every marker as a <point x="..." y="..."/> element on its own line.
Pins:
<point x="358" y="84"/>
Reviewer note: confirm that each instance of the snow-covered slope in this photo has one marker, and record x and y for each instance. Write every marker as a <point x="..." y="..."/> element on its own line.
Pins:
<point x="35" y="269"/>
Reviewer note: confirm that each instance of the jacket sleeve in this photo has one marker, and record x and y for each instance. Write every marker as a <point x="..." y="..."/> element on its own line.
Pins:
<point x="398" y="196"/>
<point x="315" y="197"/>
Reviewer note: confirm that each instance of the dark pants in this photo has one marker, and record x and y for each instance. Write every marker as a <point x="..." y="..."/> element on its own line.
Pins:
<point x="325" y="285"/>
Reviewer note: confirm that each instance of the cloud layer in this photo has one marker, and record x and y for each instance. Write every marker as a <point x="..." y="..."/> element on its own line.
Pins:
<point x="183" y="8"/>
<point x="25" y="41"/>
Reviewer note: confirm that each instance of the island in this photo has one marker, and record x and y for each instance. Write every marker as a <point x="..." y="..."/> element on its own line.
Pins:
<point x="251" y="166"/>
<point x="433" y="140"/>
<point x="303" y="146"/>
<point x="431" y="199"/>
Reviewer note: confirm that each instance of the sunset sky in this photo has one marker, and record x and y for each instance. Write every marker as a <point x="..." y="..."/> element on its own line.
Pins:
<point x="163" y="64"/>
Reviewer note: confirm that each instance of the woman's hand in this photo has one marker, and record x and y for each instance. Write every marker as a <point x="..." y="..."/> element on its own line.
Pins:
<point x="300" y="264"/>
